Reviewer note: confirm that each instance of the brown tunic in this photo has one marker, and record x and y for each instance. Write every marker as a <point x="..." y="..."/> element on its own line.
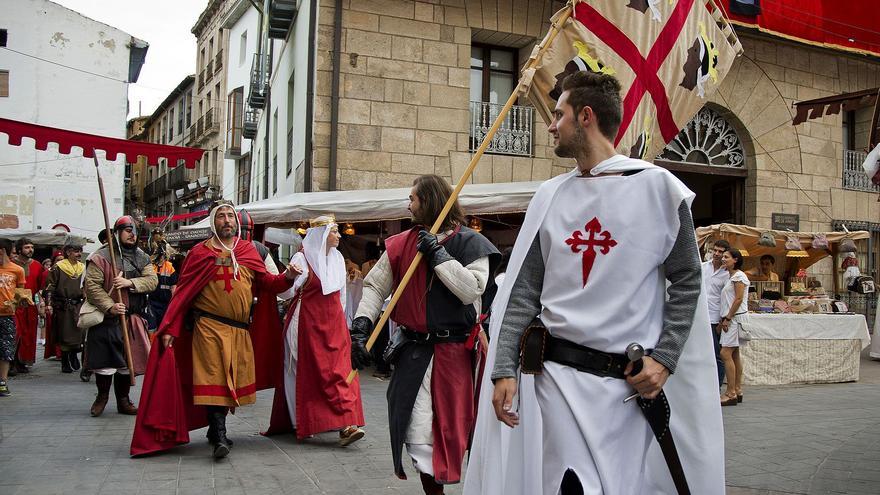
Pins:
<point x="66" y="296"/>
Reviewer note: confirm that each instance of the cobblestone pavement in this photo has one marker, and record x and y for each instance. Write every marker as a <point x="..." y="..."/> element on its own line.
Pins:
<point x="816" y="439"/>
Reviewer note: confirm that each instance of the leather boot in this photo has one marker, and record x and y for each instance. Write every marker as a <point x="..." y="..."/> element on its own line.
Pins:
<point x="429" y="485"/>
<point x="121" y="385"/>
<point x="217" y="431"/>
<point x="73" y="360"/>
<point x="65" y="362"/>
<point x="103" y="382"/>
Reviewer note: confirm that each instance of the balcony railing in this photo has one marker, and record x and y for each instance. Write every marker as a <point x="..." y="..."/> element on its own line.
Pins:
<point x="218" y="61"/>
<point x="289" y="151"/>
<point x="209" y="71"/>
<point x="251" y="121"/>
<point x="514" y="137"/>
<point x="192" y="134"/>
<point x="259" y="81"/>
<point x="201" y="80"/>
<point x="854" y="176"/>
<point x="200" y="126"/>
<point x="178" y="177"/>
<point x="212" y="120"/>
<point x="156" y="188"/>
<point x="282" y="13"/>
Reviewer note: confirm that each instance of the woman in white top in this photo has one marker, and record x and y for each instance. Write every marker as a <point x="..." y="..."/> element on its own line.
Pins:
<point x="733" y="305"/>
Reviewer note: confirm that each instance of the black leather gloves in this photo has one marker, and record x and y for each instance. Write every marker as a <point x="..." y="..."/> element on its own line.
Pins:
<point x="361" y="328"/>
<point x="434" y="252"/>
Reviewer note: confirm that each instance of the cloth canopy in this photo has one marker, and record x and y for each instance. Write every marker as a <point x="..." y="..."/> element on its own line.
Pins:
<point x="745" y="237"/>
<point x="113" y="147"/>
<point x="832" y="24"/>
<point x="381" y="204"/>
<point x="45" y="237"/>
<point x="832" y="105"/>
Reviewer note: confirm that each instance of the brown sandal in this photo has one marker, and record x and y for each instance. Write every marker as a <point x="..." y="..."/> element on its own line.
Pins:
<point x="730" y="401"/>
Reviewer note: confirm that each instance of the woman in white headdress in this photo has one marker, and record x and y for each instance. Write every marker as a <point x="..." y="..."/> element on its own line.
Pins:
<point x="315" y="397"/>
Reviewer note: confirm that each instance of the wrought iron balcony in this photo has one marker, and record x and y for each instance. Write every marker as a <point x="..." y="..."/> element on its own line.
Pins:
<point x="218" y="61"/>
<point x="282" y="13"/>
<point x="854" y="176"/>
<point x="259" y="81"/>
<point x="201" y="79"/>
<point x="212" y="121"/>
<point x="251" y="122"/>
<point x="200" y="126"/>
<point x="209" y="71"/>
<point x="156" y="188"/>
<point x="178" y="177"/>
<point x="192" y="135"/>
<point x="514" y="137"/>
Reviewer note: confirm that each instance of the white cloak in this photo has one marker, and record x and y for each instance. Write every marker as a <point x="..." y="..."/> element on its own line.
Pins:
<point x="510" y="461"/>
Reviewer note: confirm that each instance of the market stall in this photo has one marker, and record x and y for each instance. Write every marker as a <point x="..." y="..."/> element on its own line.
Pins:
<point x="799" y="332"/>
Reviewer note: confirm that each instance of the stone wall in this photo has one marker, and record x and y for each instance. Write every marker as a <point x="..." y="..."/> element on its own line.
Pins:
<point x="796" y="169"/>
<point x="404" y="91"/>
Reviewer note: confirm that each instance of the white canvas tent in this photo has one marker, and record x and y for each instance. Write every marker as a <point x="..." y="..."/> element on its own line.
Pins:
<point x="46" y="237"/>
<point x="381" y="204"/>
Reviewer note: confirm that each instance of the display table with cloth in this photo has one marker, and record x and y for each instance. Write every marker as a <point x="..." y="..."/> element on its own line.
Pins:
<point x="803" y="348"/>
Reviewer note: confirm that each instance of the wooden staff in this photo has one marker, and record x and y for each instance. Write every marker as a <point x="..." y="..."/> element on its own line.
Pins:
<point x="118" y="296"/>
<point x="554" y="30"/>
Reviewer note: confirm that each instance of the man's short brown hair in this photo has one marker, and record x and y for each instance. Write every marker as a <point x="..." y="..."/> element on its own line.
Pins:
<point x="600" y="92"/>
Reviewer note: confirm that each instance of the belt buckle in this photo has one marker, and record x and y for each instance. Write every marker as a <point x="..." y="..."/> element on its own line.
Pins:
<point x="442" y="334"/>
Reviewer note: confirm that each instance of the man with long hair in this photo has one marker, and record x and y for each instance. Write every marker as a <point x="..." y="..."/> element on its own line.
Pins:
<point x="431" y="394"/>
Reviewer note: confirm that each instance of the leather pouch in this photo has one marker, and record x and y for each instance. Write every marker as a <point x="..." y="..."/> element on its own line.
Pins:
<point x="395" y="346"/>
<point x="532" y="347"/>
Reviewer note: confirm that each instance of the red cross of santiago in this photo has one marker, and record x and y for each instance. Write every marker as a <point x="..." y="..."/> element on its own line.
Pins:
<point x="226" y="277"/>
<point x="603" y="241"/>
<point x="644" y="68"/>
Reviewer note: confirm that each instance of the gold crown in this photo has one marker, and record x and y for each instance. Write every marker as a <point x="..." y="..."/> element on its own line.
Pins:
<point x="322" y="221"/>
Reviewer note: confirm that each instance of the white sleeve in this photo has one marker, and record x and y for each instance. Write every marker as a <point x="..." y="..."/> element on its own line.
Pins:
<point x="466" y="282"/>
<point x="298" y="259"/>
<point x="377" y="287"/>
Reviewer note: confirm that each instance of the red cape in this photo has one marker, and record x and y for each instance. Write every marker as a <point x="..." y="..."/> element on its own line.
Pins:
<point x="166" y="413"/>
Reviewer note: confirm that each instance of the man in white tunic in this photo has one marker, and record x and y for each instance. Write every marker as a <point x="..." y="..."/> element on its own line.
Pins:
<point x="600" y="249"/>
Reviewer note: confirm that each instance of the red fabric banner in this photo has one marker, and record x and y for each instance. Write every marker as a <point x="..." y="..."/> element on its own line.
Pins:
<point x="113" y="147"/>
<point x="179" y="217"/>
<point x="835" y="24"/>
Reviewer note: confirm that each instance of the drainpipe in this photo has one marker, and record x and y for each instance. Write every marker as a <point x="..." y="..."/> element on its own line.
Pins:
<point x="268" y="116"/>
<point x="310" y="98"/>
<point x="259" y="51"/>
<point x="334" y="92"/>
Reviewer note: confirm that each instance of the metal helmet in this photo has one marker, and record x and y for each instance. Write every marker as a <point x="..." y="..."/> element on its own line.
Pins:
<point x="125" y="222"/>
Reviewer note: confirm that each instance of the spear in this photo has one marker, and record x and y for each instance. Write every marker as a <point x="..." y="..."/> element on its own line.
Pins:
<point x="117" y="296"/>
<point x="554" y="30"/>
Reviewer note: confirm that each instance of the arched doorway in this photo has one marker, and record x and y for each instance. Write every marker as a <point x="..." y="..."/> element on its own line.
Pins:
<point x="708" y="156"/>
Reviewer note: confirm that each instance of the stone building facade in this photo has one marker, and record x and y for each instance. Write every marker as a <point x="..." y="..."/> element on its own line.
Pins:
<point x="417" y="79"/>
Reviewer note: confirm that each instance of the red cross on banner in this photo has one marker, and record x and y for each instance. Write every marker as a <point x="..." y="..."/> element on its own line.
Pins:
<point x="669" y="56"/>
<point x="226" y="276"/>
<point x="596" y="238"/>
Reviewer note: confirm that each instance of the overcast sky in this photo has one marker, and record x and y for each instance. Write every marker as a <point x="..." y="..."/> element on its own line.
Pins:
<point x="165" y="25"/>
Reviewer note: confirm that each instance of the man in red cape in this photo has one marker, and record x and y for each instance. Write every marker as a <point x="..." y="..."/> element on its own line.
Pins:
<point x="27" y="318"/>
<point x="210" y="368"/>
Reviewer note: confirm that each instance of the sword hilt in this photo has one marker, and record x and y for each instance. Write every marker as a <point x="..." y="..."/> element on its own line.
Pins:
<point x="635" y="352"/>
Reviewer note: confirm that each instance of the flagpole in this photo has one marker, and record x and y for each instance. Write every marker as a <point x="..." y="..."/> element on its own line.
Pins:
<point x="548" y="41"/>
<point x="123" y="322"/>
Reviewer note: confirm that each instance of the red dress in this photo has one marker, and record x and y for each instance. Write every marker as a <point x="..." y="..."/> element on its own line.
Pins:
<point x="324" y="401"/>
<point x="26" y="318"/>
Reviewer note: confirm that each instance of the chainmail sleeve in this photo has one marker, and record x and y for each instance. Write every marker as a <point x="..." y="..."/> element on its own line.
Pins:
<point x="683" y="271"/>
<point x="522" y="308"/>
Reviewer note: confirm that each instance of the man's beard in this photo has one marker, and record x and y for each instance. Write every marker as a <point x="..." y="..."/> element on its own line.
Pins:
<point x="576" y="146"/>
<point x="222" y="233"/>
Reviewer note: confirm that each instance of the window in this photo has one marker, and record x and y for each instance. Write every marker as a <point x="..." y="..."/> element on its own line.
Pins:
<point x="290" y="95"/>
<point x="275" y="152"/>
<point x="3" y="37"/>
<point x="171" y="125"/>
<point x="4" y="83"/>
<point x="189" y="104"/>
<point x="180" y="109"/>
<point x="242" y="49"/>
<point x="244" y="180"/>
<point x="235" y="120"/>
<point x="210" y="50"/>
<point x="493" y="73"/>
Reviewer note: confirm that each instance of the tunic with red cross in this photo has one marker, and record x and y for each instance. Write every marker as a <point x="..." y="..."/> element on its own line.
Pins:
<point x="226" y="275"/>
<point x="603" y="241"/>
